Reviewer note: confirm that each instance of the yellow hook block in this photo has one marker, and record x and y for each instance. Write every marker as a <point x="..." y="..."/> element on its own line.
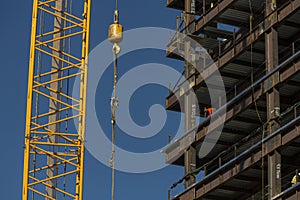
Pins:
<point x="115" y="33"/>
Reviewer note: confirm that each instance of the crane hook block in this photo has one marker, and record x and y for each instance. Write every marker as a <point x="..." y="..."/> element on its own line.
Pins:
<point x="115" y="33"/>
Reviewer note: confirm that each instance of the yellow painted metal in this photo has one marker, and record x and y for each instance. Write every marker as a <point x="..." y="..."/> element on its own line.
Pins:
<point x="29" y="101"/>
<point x="56" y="31"/>
<point x="68" y="151"/>
<point x="54" y="56"/>
<point x="56" y="15"/>
<point x="115" y="33"/>
<point x="62" y="191"/>
<point x="56" y="100"/>
<point x="56" y="80"/>
<point x="83" y="93"/>
<point x="65" y="13"/>
<point x="63" y="53"/>
<point x="60" y="70"/>
<point x="60" y="38"/>
<point x="50" y="113"/>
<point x="294" y="180"/>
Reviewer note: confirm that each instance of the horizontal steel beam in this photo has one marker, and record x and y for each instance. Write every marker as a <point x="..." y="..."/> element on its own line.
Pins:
<point x="258" y="32"/>
<point x="176" y="4"/>
<point x="197" y="25"/>
<point x="242" y="162"/>
<point x="236" y="105"/>
<point x="292" y="192"/>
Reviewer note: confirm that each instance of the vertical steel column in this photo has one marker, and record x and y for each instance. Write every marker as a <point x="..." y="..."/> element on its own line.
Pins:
<point x="189" y="102"/>
<point x="273" y="102"/>
<point x="53" y="105"/>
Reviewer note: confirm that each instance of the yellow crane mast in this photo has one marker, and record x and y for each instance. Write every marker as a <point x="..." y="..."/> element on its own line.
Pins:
<point x="55" y="119"/>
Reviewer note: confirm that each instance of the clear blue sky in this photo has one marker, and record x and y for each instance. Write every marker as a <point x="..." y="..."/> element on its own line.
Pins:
<point x="15" y="29"/>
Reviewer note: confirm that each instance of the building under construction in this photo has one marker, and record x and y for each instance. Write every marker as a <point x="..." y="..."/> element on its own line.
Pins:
<point x="255" y="46"/>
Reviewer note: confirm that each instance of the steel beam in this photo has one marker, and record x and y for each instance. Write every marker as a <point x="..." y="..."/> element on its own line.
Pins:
<point x="54" y="154"/>
<point x="242" y="162"/>
<point x="242" y="101"/>
<point x="258" y="32"/>
<point x="292" y="193"/>
<point x="189" y="102"/>
<point x="197" y="25"/>
<point x="236" y="189"/>
<point x="248" y="178"/>
<point x="273" y="103"/>
<point x="238" y="104"/>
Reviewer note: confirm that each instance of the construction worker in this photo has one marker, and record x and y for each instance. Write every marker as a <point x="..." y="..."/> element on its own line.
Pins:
<point x="295" y="179"/>
<point x="208" y="111"/>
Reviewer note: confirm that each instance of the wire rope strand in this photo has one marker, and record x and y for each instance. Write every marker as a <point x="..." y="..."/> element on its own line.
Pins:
<point x="114" y="104"/>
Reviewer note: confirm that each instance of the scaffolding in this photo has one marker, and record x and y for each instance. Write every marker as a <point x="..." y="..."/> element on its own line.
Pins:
<point x="255" y="46"/>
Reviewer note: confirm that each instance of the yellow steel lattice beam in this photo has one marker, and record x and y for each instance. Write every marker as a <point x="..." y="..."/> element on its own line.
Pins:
<point x="59" y="16"/>
<point x="56" y="31"/>
<point x="50" y="113"/>
<point x="63" y="53"/>
<point x="56" y="71"/>
<point x="47" y="167"/>
<point x="59" y="190"/>
<point x="48" y="144"/>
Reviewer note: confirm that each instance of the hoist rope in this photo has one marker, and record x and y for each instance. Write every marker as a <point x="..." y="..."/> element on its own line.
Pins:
<point x="114" y="104"/>
<point x="254" y="100"/>
<point x="251" y="63"/>
<point x="116" y="4"/>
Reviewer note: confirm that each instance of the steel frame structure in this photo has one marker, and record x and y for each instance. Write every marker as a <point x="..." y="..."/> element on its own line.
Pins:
<point x="55" y="120"/>
<point x="256" y="154"/>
